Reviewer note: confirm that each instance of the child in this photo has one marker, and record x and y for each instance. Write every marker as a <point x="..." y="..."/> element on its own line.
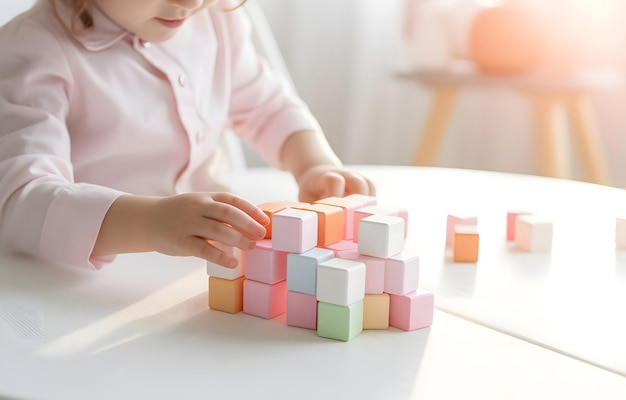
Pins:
<point x="111" y="112"/>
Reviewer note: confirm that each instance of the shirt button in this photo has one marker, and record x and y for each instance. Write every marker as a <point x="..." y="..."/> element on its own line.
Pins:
<point x="182" y="80"/>
<point x="200" y="137"/>
<point x="147" y="45"/>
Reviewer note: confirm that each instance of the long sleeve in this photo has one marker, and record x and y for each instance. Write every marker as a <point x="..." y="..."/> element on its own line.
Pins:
<point x="263" y="111"/>
<point x="43" y="211"/>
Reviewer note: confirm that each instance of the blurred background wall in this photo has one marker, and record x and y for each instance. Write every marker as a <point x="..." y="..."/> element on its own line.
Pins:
<point x="344" y="56"/>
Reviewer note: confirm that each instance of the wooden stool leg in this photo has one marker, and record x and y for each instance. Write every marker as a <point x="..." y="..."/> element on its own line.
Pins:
<point x="587" y="138"/>
<point x="432" y="135"/>
<point x="551" y="151"/>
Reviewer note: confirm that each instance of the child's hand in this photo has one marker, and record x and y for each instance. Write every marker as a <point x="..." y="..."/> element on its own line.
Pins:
<point x="327" y="181"/>
<point x="182" y="225"/>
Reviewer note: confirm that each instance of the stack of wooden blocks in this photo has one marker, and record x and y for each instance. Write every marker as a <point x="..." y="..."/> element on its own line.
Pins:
<point x="336" y="266"/>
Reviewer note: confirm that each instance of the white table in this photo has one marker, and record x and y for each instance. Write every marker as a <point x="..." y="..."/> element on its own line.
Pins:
<point x="140" y="328"/>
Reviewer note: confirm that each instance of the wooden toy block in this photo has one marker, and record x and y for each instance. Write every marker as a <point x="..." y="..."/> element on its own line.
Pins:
<point x="344" y="248"/>
<point x="454" y="220"/>
<point x="381" y="235"/>
<point x="368" y="211"/>
<point x="264" y="300"/>
<point x="374" y="272"/>
<point x="620" y="233"/>
<point x="330" y="223"/>
<point x="349" y="206"/>
<point x="271" y="208"/>
<point x="294" y="204"/>
<point x="362" y="198"/>
<point x="402" y="273"/>
<point x="376" y="311"/>
<point x="294" y="230"/>
<point x="339" y="322"/>
<point x="301" y="310"/>
<point x="226" y="294"/>
<point x="220" y="271"/>
<point x="264" y="264"/>
<point x="340" y="281"/>
<point x="466" y="243"/>
<point x="511" y="218"/>
<point x="411" y="311"/>
<point x="302" y="269"/>
<point x="533" y="233"/>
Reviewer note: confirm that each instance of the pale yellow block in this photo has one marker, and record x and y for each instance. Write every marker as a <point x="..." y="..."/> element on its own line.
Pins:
<point x="376" y="311"/>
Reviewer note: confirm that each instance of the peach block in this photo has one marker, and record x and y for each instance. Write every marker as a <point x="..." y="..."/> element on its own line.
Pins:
<point x="225" y="294"/>
<point x="349" y="206"/>
<point x="454" y="220"/>
<point x="271" y="208"/>
<point x="376" y="311"/>
<point x="330" y="223"/>
<point x="466" y="240"/>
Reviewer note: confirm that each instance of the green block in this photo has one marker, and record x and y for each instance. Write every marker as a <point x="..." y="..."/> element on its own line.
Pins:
<point x="339" y="322"/>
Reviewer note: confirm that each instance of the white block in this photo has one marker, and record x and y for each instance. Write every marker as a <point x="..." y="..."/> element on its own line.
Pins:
<point x="340" y="281"/>
<point x="294" y="231"/>
<point x="366" y="212"/>
<point x="381" y="236"/>
<point x="620" y="233"/>
<point x="219" y="271"/>
<point x="533" y="233"/>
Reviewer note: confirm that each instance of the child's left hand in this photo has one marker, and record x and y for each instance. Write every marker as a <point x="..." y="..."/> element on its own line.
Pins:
<point x="324" y="181"/>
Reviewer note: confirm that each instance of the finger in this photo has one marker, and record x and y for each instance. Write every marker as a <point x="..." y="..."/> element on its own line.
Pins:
<point x="210" y="229"/>
<point x="356" y="183"/>
<point x="244" y="205"/>
<point x="198" y="247"/>
<point x="236" y="218"/>
<point x="330" y="184"/>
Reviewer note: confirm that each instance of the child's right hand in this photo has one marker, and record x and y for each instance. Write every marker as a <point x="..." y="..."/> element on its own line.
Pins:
<point x="183" y="225"/>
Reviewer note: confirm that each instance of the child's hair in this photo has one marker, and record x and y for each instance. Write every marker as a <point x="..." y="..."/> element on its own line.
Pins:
<point x="82" y="17"/>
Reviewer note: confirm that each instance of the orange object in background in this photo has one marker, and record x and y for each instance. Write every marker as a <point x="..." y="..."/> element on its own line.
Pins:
<point x="506" y="39"/>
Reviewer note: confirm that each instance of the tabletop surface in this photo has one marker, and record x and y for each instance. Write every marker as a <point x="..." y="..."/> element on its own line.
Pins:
<point x="513" y="325"/>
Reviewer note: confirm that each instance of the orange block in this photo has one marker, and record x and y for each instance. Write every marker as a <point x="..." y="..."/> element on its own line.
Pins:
<point x="271" y="208"/>
<point x="376" y="311"/>
<point x="466" y="243"/>
<point x="330" y="223"/>
<point x="226" y="295"/>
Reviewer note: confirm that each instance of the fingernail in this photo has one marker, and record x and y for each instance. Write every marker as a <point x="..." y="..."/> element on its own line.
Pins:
<point x="252" y="245"/>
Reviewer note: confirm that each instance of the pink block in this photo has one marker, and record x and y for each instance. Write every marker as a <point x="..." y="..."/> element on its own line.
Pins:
<point x="369" y="211"/>
<point x="511" y="217"/>
<point x="374" y="272"/>
<point x="362" y="198"/>
<point x="343" y="249"/>
<point x="294" y="231"/>
<point x="349" y="206"/>
<point x="402" y="273"/>
<point x="301" y="310"/>
<point x="264" y="300"/>
<point x="264" y="264"/>
<point x="411" y="311"/>
<point x="454" y="220"/>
